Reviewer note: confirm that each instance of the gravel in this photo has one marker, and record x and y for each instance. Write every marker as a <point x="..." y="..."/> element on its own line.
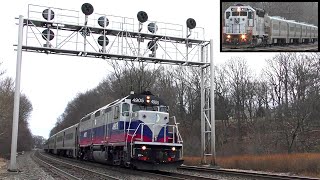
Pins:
<point x="28" y="170"/>
<point x="211" y="175"/>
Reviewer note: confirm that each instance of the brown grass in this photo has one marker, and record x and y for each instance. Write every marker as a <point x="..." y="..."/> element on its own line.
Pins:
<point x="305" y="164"/>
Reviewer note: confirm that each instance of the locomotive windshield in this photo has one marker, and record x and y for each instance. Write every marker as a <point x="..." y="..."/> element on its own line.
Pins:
<point x="242" y="13"/>
<point x="136" y="107"/>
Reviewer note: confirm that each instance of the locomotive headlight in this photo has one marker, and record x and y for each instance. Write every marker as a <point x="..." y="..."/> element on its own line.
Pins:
<point x="238" y="9"/>
<point x="143" y="147"/>
<point x="148" y="99"/>
<point x="243" y="36"/>
<point x="228" y="36"/>
<point x="173" y="148"/>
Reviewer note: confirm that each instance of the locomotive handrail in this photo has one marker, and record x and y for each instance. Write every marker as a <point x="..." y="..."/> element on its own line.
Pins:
<point x="175" y="126"/>
<point x="178" y="133"/>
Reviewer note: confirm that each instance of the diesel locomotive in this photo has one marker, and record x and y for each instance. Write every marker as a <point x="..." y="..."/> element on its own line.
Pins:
<point x="135" y="131"/>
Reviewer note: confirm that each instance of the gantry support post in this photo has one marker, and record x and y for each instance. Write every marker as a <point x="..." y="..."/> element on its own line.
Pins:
<point x="14" y="139"/>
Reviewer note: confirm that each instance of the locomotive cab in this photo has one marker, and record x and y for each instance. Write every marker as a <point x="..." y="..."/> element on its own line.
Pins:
<point x="153" y="142"/>
<point x="243" y="25"/>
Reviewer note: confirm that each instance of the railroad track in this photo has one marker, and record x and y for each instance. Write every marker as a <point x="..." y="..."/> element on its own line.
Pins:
<point x="174" y="175"/>
<point x="129" y="172"/>
<point x="245" y="174"/>
<point x="308" y="47"/>
<point x="68" y="170"/>
<point x="56" y="173"/>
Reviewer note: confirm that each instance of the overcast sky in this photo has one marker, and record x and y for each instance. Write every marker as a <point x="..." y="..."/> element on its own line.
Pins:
<point x="51" y="81"/>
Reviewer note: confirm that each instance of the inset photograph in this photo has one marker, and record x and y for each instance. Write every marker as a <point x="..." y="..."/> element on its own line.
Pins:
<point x="269" y="26"/>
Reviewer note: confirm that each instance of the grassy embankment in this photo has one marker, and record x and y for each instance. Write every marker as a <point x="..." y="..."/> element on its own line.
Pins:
<point x="304" y="164"/>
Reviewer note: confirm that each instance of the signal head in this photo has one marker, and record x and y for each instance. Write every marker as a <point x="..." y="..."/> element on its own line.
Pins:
<point x="45" y="14"/>
<point x="152" y="27"/>
<point x="152" y="45"/>
<point x="191" y="23"/>
<point x="47" y="32"/>
<point x="142" y="16"/>
<point x="103" y="21"/>
<point x="100" y="40"/>
<point x="87" y="9"/>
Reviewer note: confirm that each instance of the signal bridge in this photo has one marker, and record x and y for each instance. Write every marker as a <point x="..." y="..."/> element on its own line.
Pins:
<point x="69" y="32"/>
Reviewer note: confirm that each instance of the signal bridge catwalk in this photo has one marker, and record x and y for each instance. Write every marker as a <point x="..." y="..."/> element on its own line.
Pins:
<point x="69" y="32"/>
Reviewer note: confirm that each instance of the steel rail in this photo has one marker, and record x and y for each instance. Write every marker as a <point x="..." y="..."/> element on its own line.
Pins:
<point x="81" y="168"/>
<point x="246" y="174"/>
<point x="57" y="170"/>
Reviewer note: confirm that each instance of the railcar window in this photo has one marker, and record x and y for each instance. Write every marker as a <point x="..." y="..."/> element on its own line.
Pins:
<point x="97" y="114"/>
<point x="59" y="139"/>
<point x="275" y="27"/>
<point x="125" y="109"/>
<point x="87" y="118"/>
<point x="291" y="28"/>
<point x="235" y="14"/>
<point x="116" y="112"/>
<point x="164" y="109"/>
<point x="69" y="136"/>
<point x="298" y="29"/>
<point x="107" y="110"/>
<point x="250" y="15"/>
<point x="227" y="15"/>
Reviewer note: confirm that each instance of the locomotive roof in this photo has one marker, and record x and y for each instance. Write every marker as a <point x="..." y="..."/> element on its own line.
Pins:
<point x="131" y="96"/>
<point x="146" y="93"/>
<point x="243" y="6"/>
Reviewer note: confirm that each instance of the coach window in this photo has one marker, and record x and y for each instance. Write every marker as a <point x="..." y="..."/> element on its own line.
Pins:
<point x="291" y="28"/>
<point x="116" y="112"/>
<point x="249" y="15"/>
<point x="125" y="109"/>
<point x="227" y="15"/>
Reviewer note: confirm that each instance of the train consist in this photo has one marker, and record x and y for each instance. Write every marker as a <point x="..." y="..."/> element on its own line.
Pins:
<point x="133" y="131"/>
<point x="247" y="26"/>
